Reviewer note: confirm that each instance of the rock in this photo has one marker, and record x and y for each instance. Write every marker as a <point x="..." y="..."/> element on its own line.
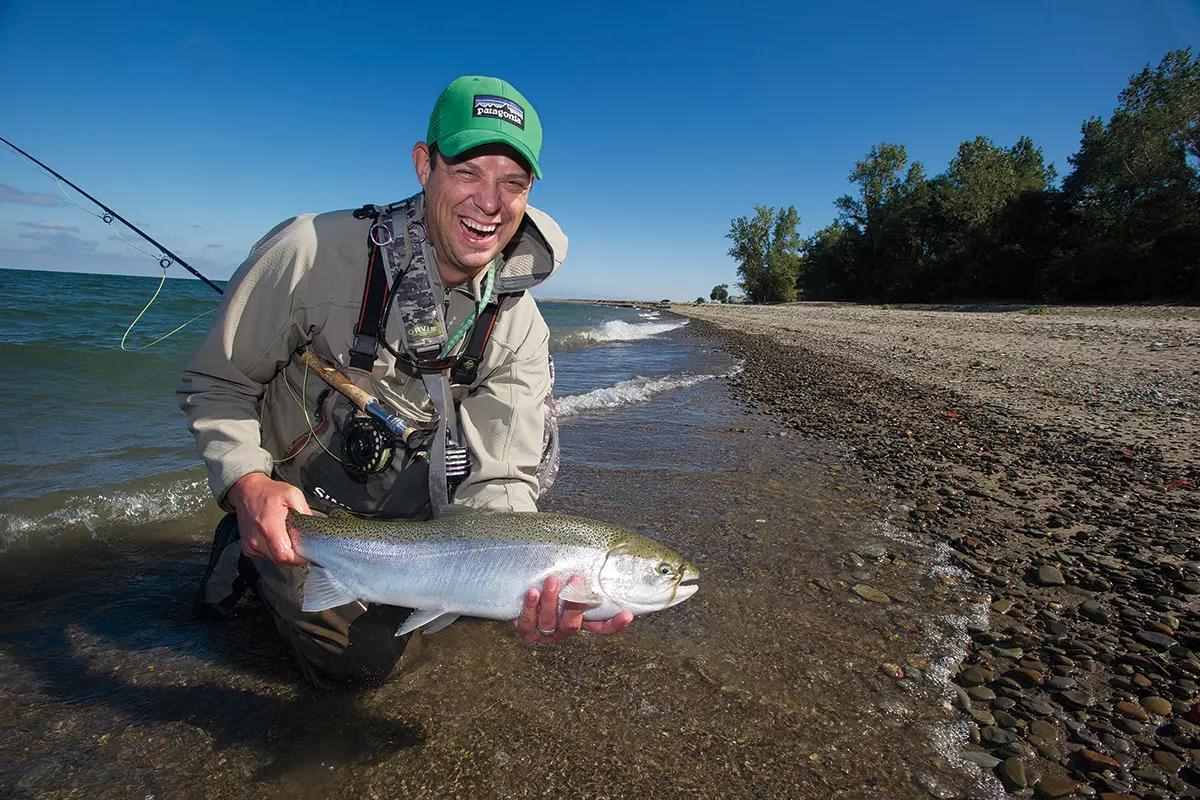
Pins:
<point x="1158" y="641"/>
<point x="1011" y="773"/>
<point x="870" y="593"/>
<point x="975" y="675"/>
<point x="1132" y="711"/>
<point x="981" y="758"/>
<point x="1002" y="605"/>
<point x="996" y="737"/>
<point x="1060" y="682"/>
<point x="1054" y="786"/>
<point x="1026" y="677"/>
<point x="1167" y="761"/>
<point x="1157" y="705"/>
<point x="982" y="716"/>
<point x="1097" y="762"/>
<point x="891" y="670"/>
<point x="1093" y="611"/>
<point x="1050" y="576"/>
<point x="1044" y="730"/>
<point x="1150" y="775"/>
<point x="981" y="693"/>
<point x="1078" y="699"/>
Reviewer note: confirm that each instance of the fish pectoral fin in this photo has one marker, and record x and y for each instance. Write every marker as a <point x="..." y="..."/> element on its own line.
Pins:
<point x="583" y="595"/>
<point x="430" y="620"/>
<point x="322" y="591"/>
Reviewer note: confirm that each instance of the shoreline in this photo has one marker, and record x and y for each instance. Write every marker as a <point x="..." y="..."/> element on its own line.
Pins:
<point x="1050" y="451"/>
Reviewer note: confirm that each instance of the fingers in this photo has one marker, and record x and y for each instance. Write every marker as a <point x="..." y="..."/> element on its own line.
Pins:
<point x="547" y="618"/>
<point x="295" y="499"/>
<point x="542" y="622"/>
<point x="608" y="626"/>
<point x="527" y="621"/>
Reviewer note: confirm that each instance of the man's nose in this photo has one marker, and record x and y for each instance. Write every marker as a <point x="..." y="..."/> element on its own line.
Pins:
<point x="487" y="196"/>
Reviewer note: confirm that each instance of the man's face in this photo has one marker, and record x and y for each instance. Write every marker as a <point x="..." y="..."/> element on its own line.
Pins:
<point x="473" y="205"/>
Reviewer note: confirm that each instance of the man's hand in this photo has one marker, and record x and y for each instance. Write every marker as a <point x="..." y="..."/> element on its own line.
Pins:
<point x="262" y="506"/>
<point x="541" y="623"/>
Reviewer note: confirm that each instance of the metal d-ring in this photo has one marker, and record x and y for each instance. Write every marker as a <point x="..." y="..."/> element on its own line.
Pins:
<point x="379" y="240"/>
<point x="164" y="262"/>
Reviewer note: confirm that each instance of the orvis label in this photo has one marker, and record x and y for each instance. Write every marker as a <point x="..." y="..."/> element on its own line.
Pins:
<point x="487" y="105"/>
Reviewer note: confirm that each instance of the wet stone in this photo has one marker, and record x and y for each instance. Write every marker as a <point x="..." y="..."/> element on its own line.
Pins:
<point x="1038" y="707"/>
<point x="1004" y="703"/>
<point x="1092" y="610"/>
<point x="995" y="737"/>
<point x="1052" y="787"/>
<point x="1078" y="699"/>
<point x="974" y="676"/>
<point x="870" y="593"/>
<point x="1050" y="576"/>
<point x="1043" y="730"/>
<point x="1171" y="763"/>
<point x="1014" y="653"/>
<point x="981" y="758"/>
<point x="1157" y="705"/>
<point x="1150" y="775"/>
<point x="1005" y="720"/>
<point x="1158" y="641"/>
<point x="1132" y="711"/>
<point x="1011" y="773"/>
<point x="983" y="717"/>
<point x="1059" y="683"/>
<point x="1002" y="605"/>
<point x="1092" y="761"/>
<point x="981" y="693"/>
<point x="1026" y="677"/>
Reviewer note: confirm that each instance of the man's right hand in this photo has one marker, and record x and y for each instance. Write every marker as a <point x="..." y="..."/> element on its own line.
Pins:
<point x="262" y="506"/>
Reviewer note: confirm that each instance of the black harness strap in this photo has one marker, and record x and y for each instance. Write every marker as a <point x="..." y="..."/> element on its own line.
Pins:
<point x="370" y="313"/>
<point x="467" y="368"/>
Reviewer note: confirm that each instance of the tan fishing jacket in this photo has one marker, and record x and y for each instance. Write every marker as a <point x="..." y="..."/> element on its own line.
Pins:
<point x="303" y="283"/>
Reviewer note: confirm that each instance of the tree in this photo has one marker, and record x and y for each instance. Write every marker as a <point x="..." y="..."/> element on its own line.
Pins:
<point x="767" y="249"/>
<point x="720" y="293"/>
<point x="700" y="301"/>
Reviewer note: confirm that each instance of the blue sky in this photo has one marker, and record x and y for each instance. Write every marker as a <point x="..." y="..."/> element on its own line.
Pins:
<point x="207" y="123"/>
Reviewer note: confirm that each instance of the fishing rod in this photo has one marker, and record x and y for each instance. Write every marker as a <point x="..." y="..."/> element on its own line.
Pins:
<point x="110" y="215"/>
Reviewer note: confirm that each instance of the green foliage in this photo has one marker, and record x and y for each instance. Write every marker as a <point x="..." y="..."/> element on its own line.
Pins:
<point x="1124" y="226"/>
<point x="700" y="301"/>
<point x="767" y="249"/>
<point x="720" y="293"/>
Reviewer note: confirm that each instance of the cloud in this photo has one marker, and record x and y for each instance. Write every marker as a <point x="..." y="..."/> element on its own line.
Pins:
<point x="47" y="226"/>
<point x="213" y="246"/>
<point x="11" y="194"/>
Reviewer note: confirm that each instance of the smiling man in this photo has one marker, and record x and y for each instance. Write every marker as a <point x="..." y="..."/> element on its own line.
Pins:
<point x="423" y="303"/>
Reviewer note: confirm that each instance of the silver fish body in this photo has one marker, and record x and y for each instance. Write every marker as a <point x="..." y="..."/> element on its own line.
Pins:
<point x="481" y="564"/>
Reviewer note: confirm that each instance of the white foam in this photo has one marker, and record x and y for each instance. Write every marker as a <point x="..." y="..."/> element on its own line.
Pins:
<point x="90" y="513"/>
<point x="635" y="390"/>
<point x="617" y="330"/>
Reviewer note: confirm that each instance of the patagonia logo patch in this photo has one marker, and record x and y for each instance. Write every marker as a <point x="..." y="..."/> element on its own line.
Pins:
<point x="487" y="105"/>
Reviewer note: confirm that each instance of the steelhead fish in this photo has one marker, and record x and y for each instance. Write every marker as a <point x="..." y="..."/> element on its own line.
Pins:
<point x="480" y="564"/>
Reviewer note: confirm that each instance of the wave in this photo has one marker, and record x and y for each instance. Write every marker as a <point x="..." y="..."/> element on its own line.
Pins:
<point x="614" y="331"/>
<point x="69" y="515"/>
<point x="625" y="393"/>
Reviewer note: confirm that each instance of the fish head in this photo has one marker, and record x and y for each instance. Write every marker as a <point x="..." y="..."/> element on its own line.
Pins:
<point x="644" y="576"/>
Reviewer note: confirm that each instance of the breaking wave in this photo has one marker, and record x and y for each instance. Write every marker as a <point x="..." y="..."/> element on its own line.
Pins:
<point x="630" y="392"/>
<point x="614" y="331"/>
<point x="91" y="514"/>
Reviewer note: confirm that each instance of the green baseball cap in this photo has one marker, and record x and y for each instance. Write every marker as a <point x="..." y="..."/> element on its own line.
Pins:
<point x="475" y="110"/>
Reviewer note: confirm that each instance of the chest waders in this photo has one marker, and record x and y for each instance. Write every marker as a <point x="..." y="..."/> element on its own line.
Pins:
<point x="371" y="460"/>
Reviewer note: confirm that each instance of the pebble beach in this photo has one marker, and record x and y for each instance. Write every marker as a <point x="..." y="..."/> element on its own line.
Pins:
<point x="1050" y="454"/>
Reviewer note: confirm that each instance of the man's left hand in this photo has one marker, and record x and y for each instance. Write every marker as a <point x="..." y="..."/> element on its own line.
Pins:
<point x="541" y="622"/>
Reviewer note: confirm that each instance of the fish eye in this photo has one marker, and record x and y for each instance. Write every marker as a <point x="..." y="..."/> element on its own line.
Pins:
<point x="665" y="569"/>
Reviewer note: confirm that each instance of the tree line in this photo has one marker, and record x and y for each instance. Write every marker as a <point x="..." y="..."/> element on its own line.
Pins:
<point x="1123" y="225"/>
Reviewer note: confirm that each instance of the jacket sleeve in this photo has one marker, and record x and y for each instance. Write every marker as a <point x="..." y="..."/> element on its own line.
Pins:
<point x="251" y="339"/>
<point x="503" y="420"/>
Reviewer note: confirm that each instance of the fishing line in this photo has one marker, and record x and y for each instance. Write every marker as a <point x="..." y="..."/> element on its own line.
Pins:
<point x="164" y="256"/>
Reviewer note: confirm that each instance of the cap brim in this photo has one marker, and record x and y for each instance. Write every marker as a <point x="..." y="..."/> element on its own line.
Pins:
<point x="459" y="143"/>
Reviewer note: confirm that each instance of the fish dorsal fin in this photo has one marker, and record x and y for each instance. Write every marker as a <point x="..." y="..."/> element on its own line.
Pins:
<point x="582" y="594"/>
<point x="322" y="591"/>
<point x="429" y="620"/>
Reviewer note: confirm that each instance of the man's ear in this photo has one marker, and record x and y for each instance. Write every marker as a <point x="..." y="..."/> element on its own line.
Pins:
<point x="421" y="162"/>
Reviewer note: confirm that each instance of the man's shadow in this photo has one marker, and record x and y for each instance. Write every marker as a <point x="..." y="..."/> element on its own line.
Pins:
<point x="129" y="606"/>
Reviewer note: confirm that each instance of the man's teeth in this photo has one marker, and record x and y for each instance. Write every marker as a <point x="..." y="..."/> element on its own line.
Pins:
<point x="482" y="230"/>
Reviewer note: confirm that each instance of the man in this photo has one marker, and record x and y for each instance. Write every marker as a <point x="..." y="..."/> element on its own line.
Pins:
<point x="318" y="283"/>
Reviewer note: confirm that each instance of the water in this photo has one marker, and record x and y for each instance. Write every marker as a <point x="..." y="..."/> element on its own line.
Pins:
<point x="91" y="439"/>
<point x="766" y="684"/>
